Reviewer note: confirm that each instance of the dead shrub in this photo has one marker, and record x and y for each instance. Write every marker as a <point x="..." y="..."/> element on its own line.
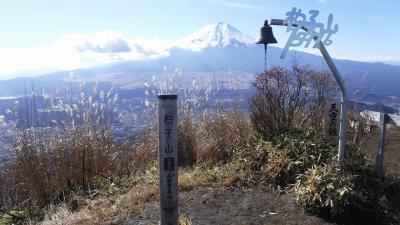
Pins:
<point x="286" y="99"/>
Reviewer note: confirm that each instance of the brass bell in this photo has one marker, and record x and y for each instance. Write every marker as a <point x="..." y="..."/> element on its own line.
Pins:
<point x="267" y="37"/>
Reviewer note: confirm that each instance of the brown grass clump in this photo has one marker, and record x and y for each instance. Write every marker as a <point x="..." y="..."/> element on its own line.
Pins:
<point x="219" y="137"/>
<point x="187" y="142"/>
<point x="211" y="140"/>
<point x="143" y="152"/>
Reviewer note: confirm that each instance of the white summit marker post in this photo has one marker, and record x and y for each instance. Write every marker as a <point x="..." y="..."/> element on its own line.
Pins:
<point x="168" y="159"/>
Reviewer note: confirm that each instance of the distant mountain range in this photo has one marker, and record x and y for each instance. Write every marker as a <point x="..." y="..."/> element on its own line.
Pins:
<point x="214" y="48"/>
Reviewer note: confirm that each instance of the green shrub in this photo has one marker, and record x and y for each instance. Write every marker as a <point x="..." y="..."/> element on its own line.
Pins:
<point x="280" y="162"/>
<point x="296" y="152"/>
<point x="326" y="189"/>
<point x="14" y="217"/>
<point x="250" y="161"/>
<point x="282" y="168"/>
<point x="355" y="193"/>
<point x="378" y="194"/>
<point x="392" y="193"/>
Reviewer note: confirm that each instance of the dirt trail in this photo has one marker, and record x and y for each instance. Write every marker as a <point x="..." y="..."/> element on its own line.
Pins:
<point x="232" y="206"/>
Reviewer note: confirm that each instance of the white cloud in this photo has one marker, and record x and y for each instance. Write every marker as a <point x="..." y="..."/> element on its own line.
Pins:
<point x="113" y="46"/>
<point x="235" y="4"/>
<point x="74" y="51"/>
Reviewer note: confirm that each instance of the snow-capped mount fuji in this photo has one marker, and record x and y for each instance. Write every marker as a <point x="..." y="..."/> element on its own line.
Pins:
<point x="217" y="35"/>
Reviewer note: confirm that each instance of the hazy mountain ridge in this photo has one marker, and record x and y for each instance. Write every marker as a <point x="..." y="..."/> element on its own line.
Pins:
<point x="221" y="47"/>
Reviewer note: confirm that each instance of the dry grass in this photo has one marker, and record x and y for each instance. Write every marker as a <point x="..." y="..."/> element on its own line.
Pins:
<point x="246" y="166"/>
<point x="48" y="163"/>
<point x="144" y="187"/>
<point x="108" y="209"/>
<point x="187" y="142"/>
<point x="79" y="157"/>
<point x="142" y="153"/>
<point x="104" y="210"/>
<point x="217" y="138"/>
<point x="211" y="140"/>
<point x="42" y="170"/>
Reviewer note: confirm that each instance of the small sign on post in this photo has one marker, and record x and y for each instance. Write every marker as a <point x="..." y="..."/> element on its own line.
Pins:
<point x="332" y="119"/>
<point x="168" y="158"/>
<point x="383" y="119"/>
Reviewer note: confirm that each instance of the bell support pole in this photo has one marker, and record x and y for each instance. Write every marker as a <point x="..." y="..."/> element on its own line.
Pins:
<point x="339" y="81"/>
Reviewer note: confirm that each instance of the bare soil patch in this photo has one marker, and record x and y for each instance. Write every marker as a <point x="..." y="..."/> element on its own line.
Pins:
<point x="232" y="206"/>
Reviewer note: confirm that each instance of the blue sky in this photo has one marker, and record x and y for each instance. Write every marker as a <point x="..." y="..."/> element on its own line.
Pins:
<point x="366" y="28"/>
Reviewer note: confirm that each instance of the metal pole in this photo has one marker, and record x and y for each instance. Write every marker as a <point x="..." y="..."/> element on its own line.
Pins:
<point x="168" y="159"/>
<point x="382" y="138"/>
<point x="339" y="81"/>
<point x="344" y="100"/>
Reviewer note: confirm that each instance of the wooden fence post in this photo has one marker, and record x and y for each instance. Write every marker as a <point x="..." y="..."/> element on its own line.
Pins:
<point x="383" y="119"/>
<point x="382" y="137"/>
<point x="168" y="158"/>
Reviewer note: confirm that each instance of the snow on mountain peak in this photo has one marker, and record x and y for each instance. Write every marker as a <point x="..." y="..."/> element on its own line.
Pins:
<point x="218" y="34"/>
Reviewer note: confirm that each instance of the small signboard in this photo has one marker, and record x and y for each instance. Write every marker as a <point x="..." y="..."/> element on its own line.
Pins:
<point x="168" y="159"/>
<point x="332" y="119"/>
